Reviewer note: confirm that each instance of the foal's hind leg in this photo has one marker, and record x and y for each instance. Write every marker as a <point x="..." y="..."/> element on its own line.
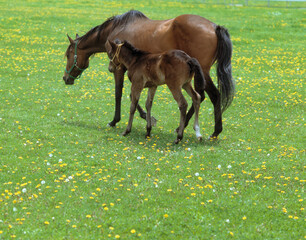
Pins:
<point x="191" y="109"/>
<point x="135" y="95"/>
<point x="196" y="100"/>
<point x="149" y="103"/>
<point x="182" y="103"/>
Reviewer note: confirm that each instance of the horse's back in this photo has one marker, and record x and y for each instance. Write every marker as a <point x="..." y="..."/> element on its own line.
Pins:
<point x="196" y="36"/>
<point x="192" y="34"/>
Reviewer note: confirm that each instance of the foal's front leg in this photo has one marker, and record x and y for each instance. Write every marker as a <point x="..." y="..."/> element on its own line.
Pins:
<point x="149" y="103"/>
<point x="135" y="95"/>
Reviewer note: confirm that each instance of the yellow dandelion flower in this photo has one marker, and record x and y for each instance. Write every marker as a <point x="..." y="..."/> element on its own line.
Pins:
<point x="133" y="231"/>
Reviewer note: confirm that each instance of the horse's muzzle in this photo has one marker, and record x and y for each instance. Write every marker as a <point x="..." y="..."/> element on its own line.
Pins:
<point x="68" y="81"/>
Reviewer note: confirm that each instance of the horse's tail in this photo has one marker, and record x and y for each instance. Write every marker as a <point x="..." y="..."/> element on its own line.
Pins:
<point x="199" y="80"/>
<point x="224" y="67"/>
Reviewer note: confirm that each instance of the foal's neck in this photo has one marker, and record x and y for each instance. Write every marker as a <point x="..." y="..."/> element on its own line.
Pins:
<point x="128" y="57"/>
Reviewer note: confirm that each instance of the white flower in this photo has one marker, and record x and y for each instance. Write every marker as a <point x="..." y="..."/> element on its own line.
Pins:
<point x="227" y="220"/>
<point x="50" y="155"/>
<point x="138" y="158"/>
<point x="14" y="209"/>
<point x="219" y="166"/>
<point x="42" y="182"/>
<point x="196" y="174"/>
<point x="24" y="190"/>
<point x="229" y="166"/>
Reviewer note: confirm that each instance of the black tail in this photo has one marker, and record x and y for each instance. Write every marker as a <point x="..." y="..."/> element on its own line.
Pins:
<point x="199" y="80"/>
<point x="224" y="67"/>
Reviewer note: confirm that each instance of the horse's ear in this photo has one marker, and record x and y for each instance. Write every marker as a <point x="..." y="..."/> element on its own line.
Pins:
<point x="70" y="39"/>
<point x="77" y="36"/>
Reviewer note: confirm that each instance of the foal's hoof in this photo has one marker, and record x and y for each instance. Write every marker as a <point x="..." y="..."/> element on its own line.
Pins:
<point x="126" y="132"/>
<point x="177" y="140"/>
<point x="200" y="138"/>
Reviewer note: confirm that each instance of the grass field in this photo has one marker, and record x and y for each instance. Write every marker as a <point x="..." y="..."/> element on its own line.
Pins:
<point x="65" y="175"/>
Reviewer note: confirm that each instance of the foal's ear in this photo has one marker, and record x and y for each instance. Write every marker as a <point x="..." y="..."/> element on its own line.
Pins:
<point x="108" y="46"/>
<point x="70" y="39"/>
<point x="77" y="36"/>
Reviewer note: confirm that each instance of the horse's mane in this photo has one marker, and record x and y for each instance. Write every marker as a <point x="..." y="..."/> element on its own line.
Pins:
<point x="118" y="21"/>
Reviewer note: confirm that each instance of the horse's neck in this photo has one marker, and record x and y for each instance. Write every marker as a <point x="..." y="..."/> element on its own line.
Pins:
<point x="95" y="43"/>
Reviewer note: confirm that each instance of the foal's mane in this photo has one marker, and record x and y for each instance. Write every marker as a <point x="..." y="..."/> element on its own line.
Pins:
<point x="118" y="21"/>
<point x="135" y="51"/>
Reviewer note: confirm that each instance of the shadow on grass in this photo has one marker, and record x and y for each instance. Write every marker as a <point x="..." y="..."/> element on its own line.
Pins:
<point x="162" y="139"/>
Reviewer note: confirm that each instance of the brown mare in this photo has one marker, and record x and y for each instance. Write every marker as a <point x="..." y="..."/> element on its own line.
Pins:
<point x="174" y="68"/>
<point x="195" y="35"/>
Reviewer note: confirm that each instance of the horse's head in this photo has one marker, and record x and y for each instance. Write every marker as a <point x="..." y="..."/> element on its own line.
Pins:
<point x="77" y="62"/>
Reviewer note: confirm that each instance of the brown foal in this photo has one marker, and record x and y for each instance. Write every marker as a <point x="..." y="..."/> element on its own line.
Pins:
<point x="146" y="70"/>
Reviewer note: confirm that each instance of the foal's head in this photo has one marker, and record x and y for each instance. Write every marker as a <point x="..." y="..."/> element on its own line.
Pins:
<point x="77" y="61"/>
<point x="113" y="51"/>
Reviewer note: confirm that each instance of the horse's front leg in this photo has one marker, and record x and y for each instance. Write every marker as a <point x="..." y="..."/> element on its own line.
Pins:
<point x="119" y="77"/>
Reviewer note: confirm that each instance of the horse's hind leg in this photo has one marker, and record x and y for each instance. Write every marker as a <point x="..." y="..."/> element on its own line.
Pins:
<point x="215" y="98"/>
<point x="196" y="100"/>
<point x="182" y="103"/>
<point x="149" y="103"/>
<point x="135" y="95"/>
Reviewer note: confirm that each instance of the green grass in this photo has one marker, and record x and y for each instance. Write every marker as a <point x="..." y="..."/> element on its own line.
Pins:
<point x="65" y="175"/>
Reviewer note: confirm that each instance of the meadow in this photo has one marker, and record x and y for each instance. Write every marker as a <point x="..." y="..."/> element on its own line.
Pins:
<point x="65" y="175"/>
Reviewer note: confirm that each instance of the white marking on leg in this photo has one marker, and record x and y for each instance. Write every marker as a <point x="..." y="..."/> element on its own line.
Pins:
<point x="198" y="133"/>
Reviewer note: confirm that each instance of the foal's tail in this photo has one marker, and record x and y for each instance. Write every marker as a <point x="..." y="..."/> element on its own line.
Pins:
<point x="199" y="80"/>
<point x="224" y="67"/>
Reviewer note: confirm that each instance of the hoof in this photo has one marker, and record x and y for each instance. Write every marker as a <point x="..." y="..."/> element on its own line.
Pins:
<point x="213" y="138"/>
<point x="200" y="138"/>
<point x="177" y="140"/>
<point x="125" y="133"/>
<point x="111" y="124"/>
